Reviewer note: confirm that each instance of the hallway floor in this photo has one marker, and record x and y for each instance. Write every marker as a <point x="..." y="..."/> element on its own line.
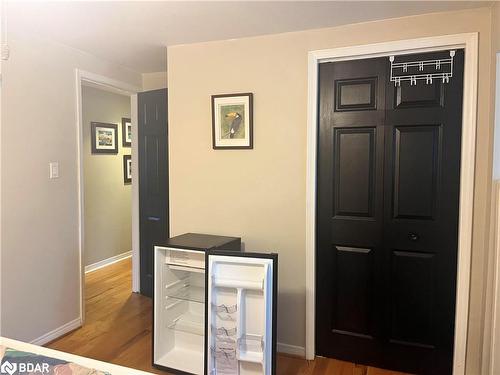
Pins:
<point x="118" y="330"/>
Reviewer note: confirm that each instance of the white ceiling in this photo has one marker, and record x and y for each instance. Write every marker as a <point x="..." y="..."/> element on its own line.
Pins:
<point x="134" y="34"/>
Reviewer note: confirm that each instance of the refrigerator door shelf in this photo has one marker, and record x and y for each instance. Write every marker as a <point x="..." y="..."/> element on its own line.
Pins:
<point x="221" y="282"/>
<point x="251" y="348"/>
<point x="224" y="331"/>
<point x="254" y="357"/>
<point x="253" y="343"/>
<point x="223" y="308"/>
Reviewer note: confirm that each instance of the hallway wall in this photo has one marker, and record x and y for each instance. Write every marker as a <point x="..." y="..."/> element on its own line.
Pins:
<point x="108" y="210"/>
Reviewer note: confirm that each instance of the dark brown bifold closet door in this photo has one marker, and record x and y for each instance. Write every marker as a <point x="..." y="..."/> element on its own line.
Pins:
<point x="153" y="180"/>
<point x="387" y="215"/>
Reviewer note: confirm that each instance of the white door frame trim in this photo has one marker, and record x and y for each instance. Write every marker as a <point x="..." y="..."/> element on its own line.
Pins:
<point x="119" y="87"/>
<point x="468" y="41"/>
<point x="491" y="349"/>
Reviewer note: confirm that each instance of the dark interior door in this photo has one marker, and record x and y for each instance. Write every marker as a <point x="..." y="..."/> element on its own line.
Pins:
<point x="388" y="195"/>
<point x="153" y="180"/>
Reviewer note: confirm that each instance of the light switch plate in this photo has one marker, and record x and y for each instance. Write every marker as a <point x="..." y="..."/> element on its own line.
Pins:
<point x="54" y="169"/>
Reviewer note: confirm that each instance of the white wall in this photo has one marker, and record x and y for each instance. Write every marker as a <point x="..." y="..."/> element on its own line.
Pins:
<point x="108" y="201"/>
<point x="40" y="261"/>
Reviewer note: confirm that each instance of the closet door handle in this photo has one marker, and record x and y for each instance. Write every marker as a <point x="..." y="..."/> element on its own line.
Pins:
<point x="153" y="218"/>
<point x="413" y="237"/>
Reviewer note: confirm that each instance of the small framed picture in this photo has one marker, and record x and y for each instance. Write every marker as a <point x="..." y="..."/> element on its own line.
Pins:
<point x="232" y="121"/>
<point x="104" y="138"/>
<point x="126" y="132"/>
<point x="127" y="169"/>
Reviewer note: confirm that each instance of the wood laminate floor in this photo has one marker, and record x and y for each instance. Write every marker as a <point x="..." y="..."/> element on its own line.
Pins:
<point x="118" y="330"/>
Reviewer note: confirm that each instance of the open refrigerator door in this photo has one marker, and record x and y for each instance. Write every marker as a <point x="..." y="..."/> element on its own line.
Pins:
<point x="241" y="313"/>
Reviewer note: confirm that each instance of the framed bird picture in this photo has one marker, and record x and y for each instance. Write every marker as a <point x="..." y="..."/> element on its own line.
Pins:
<point x="232" y="121"/>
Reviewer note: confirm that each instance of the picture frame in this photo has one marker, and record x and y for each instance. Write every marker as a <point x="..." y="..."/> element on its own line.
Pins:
<point x="127" y="169"/>
<point x="104" y="138"/>
<point x="232" y="121"/>
<point x="126" y="132"/>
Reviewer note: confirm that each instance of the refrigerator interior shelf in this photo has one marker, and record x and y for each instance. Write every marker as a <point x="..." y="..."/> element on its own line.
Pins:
<point x="187" y="293"/>
<point x="188" y="258"/>
<point x="178" y="283"/>
<point x="187" y="359"/>
<point x="177" y="302"/>
<point x="234" y="283"/>
<point x="177" y="267"/>
<point x="190" y="323"/>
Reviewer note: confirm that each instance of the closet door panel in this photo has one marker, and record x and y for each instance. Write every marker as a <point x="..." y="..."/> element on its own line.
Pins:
<point x="416" y="170"/>
<point x="353" y="292"/>
<point x="350" y="209"/>
<point x="412" y="299"/>
<point x="354" y="174"/>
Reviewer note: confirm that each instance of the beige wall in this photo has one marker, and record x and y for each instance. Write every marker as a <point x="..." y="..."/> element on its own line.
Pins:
<point x="39" y="218"/>
<point x="260" y="194"/>
<point x="108" y="201"/>
<point x="496" y="26"/>
<point x="154" y="81"/>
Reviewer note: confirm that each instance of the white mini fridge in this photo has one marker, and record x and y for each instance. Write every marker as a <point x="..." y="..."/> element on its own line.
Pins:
<point x="214" y="308"/>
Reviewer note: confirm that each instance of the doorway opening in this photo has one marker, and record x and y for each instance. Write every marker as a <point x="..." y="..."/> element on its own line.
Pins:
<point x="108" y="196"/>
<point x="115" y="318"/>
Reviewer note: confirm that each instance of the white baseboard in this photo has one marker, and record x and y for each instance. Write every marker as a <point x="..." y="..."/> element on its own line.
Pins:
<point x="58" y="332"/>
<point x="298" y="351"/>
<point x="107" y="262"/>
